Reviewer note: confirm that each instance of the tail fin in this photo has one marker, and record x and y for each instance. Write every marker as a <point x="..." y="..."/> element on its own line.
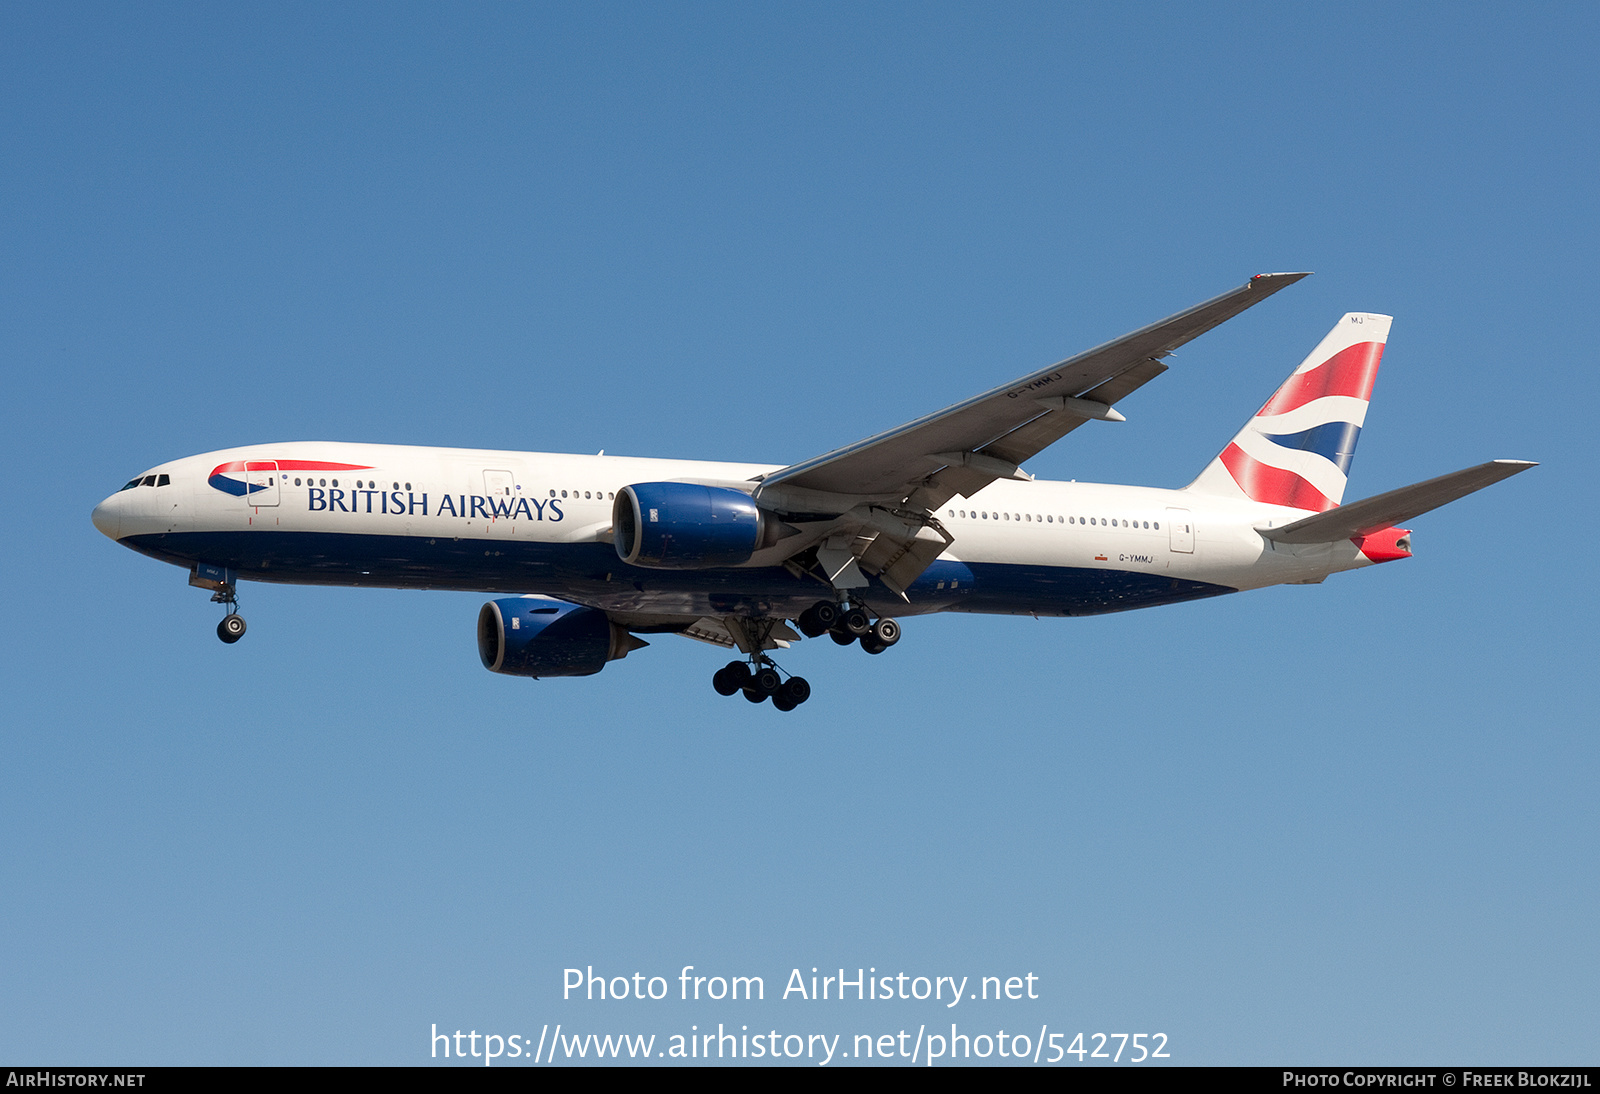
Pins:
<point x="1297" y="450"/>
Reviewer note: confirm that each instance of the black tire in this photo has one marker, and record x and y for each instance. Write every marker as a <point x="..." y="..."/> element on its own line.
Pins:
<point x="808" y="624"/>
<point x="844" y="638"/>
<point x="857" y="622"/>
<point x="783" y="702"/>
<point x="796" y="690"/>
<point x="826" y="613"/>
<point x="731" y="677"/>
<point x="753" y="695"/>
<point x="765" y="680"/>
<point x="872" y="645"/>
<point x="231" y="629"/>
<point x="886" y="631"/>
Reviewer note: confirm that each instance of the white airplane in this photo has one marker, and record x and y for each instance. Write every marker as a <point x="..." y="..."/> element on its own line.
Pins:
<point x="935" y="515"/>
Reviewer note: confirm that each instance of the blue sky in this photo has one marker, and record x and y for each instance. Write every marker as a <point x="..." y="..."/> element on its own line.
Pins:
<point x="1352" y="823"/>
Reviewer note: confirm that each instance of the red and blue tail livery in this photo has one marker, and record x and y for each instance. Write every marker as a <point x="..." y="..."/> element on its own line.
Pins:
<point x="584" y="554"/>
<point x="1296" y="451"/>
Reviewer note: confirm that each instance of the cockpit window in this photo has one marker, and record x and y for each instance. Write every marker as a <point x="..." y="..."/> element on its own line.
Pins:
<point x="131" y="484"/>
<point x="149" y="480"/>
<point x="163" y="480"/>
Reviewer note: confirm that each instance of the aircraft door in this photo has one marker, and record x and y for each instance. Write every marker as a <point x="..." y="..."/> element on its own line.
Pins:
<point x="1180" y="524"/>
<point x="501" y="486"/>
<point x="261" y="483"/>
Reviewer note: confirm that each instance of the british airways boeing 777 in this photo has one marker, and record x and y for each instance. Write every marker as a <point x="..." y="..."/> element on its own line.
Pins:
<point x="935" y="515"/>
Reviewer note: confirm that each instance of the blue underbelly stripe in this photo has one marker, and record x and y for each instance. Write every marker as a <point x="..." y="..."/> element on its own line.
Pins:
<point x="591" y="573"/>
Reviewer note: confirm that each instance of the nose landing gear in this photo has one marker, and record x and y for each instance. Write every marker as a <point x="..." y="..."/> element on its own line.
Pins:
<point x="224" y="590"/>
<point x="231" y="629"/>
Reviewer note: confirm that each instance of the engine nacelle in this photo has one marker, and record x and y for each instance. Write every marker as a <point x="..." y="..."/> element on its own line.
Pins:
<point x="685" y="526"/>
<point x="540" y="636"/>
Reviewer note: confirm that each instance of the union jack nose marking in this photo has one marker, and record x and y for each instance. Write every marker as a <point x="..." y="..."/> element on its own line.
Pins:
<point x="230" y="478"/>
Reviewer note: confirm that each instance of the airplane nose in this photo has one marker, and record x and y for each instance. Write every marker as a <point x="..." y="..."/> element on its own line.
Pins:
<point x="106" y="518"/>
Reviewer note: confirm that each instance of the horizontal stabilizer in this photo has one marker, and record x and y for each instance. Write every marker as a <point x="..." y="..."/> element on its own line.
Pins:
<point x="1368" y="515"/>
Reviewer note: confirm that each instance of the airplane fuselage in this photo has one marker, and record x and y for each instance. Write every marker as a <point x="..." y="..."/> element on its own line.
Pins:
<point x="325" y="513"/>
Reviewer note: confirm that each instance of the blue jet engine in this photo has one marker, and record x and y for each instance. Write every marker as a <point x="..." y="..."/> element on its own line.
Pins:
<point x="685" y="526"/>
<point x="540" y="636"/>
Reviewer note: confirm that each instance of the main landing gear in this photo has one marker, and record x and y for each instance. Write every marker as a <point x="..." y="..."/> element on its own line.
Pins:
<point x="231" y="629"/>
<point x="848" y="624"/>
<point x="760" y="681"/>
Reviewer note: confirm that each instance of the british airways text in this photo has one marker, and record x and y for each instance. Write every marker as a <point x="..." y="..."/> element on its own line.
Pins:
<point x="407" y="504"/>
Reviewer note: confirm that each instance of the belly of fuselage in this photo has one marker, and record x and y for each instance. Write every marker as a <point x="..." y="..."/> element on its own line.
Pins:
<point x="591" y="573"/>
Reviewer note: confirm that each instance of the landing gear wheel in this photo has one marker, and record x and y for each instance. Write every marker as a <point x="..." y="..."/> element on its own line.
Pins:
<point x="795" y="691"/>
<point x="753" y="695"/>
<point x="886" y="632"/>
<point x="783" y="702"/>
<point x="857" y="622"/>
<point x="731" y="677"/>
<point x="231" y="629"/>
<point x="844" y="638"/>
<point x="819" y="619"/>
<point x="871" y="644"/>
<point x="765" y="679"/>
